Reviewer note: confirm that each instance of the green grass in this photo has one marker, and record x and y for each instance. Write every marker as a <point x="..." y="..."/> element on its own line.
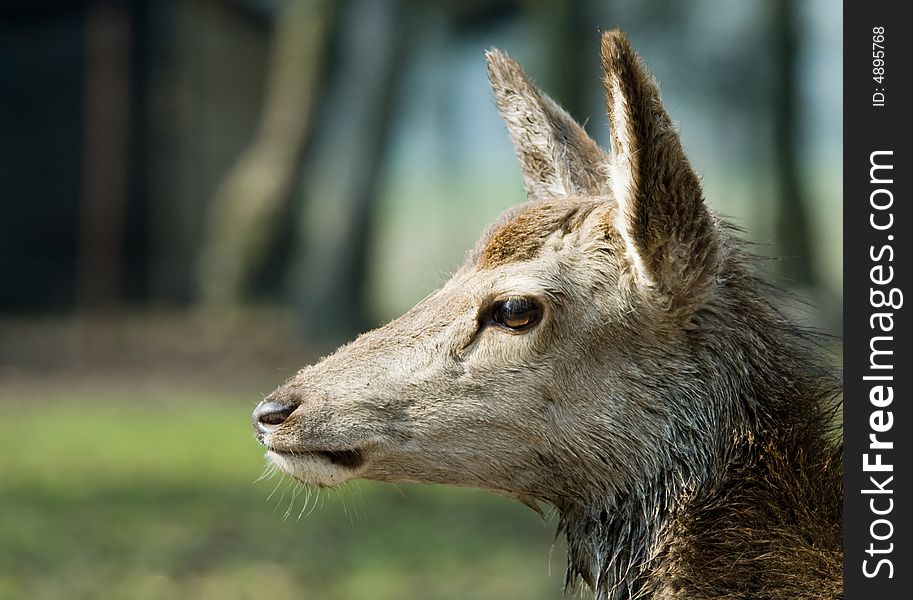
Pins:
<point x="138" y="498"/>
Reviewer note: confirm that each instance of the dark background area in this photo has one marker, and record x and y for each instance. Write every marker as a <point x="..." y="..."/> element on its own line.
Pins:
<point x="124" y="123"/>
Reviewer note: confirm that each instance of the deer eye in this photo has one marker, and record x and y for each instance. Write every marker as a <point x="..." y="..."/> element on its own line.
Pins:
<point x="516" y="313"/>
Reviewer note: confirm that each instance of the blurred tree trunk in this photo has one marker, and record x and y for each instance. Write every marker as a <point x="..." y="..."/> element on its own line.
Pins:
<point x="573" y="59"/>
<point x="246" y="211"/>
<point x="205" y="88"/>
<point x="340" y="183"/>
<point x="103" y="191"/>
<point x="792" y="227"/>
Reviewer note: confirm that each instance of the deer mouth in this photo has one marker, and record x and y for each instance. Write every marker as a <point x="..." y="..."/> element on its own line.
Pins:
<point x="320" y="468"/>
<point x="348" y="459"/>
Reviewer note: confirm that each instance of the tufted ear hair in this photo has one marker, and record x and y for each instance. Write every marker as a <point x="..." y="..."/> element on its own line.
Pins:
<point x="557" y="157"/>
<point x="670" y="237"/>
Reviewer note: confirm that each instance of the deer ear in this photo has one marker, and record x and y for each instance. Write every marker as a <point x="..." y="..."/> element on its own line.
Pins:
<point x="556" y="155"/>
<point x="670" y="237"/>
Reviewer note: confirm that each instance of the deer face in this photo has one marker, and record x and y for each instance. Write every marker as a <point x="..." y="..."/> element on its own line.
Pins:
<point x="540" y="356"/>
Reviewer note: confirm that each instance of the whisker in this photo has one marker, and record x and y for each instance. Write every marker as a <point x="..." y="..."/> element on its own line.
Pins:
<point x="308" y="514"/>
<point x="296" y="490"/>
<point x="281" y="479"/>
<point x="269" y="470"/>
<point x="307" y="499"/>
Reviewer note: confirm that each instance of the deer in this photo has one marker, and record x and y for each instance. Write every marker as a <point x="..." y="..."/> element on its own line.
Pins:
<point x="609" y="350"/>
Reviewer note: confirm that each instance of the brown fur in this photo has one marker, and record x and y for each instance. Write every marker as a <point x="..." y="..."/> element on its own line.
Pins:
<point x="522" y="236"/>
<point x="665" y="213"/>
<point x="678" y="423"/>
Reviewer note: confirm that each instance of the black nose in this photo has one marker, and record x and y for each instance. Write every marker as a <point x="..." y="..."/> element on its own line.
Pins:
<point x="270" y="413"/>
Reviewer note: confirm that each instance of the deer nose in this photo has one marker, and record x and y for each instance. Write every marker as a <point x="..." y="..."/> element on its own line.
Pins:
<point x="271" y="413"/>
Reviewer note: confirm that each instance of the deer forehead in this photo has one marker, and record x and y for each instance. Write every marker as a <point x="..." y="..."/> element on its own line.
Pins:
<point x="523" y="233"/>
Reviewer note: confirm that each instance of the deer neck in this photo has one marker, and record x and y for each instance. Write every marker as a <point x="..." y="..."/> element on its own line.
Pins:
<point x="615" y="544"/>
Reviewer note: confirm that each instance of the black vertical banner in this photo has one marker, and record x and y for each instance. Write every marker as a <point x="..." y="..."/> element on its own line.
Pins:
<point x="878" y="372"/>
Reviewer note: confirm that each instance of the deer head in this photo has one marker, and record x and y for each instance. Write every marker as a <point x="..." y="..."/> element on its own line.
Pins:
<point x="558" y="363"/>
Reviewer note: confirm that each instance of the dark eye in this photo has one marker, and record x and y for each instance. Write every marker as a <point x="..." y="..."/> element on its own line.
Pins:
<point x="516" y="313"/>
